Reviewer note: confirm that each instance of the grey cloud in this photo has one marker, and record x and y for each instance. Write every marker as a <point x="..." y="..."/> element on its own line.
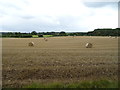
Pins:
<point x="67" y="24"/>
<point x="26" y="2"/>
<point x="5" y="6"/>
<point x="9" y="5"/>
<point x="13" y="5"/>
<point x="27" y="17"/>
<point x="101" y="4"/>
<point x="2" y="13"/>
<point x="69" y="20"/>
<point x="119" y="5"/>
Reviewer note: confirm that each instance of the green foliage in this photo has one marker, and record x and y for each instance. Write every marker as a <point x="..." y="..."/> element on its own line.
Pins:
<point x="55" y="85"/>
<point x="16" y="35"/>
<point x="62" y="33"/>
<point x="34" y="33"/>
<point x="47" y="35"/>
<point x="40" y="35"/>
<point x="96" y="32"/>
<point x="105" y="32"/>
<point x="105" y="84"/>
<point x="83" y="84"/>
<point x="35" y="36"/>
<point x="51" y="85"/>
<point x="0" y="35"/>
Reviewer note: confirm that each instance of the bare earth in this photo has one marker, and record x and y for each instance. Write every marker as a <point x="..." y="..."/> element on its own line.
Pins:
<point x="63" y="59"/>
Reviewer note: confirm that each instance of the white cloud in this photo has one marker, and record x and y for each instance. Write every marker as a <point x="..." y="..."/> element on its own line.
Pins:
<point x="55" y="15"/>
<point x="104" y="17"/>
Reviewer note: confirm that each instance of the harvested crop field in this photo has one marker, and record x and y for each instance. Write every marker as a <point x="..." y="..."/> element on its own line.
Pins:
<point x="60" y="59"/>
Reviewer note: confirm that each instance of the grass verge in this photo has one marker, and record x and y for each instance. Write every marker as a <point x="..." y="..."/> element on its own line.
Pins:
<point x="84" y="84"/>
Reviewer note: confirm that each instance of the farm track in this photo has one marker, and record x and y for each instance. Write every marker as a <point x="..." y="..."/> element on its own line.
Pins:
<point x="62" y="59"/>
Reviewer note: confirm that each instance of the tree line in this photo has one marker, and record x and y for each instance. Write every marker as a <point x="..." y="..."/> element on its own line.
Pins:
<point x="105" y="32"/>
<point x="96" y="32"/>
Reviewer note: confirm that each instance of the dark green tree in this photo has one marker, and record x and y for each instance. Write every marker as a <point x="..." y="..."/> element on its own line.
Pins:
<point x="34" y="33"/>
<point x="62" y="33"/>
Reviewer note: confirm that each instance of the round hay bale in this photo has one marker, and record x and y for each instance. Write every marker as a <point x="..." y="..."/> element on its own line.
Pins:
<point x="88" y="45"/>
<point x="45" y="39"/>
<point x="110" y="36"/>
<point x="113" y="37"/>
<point x="116" y="37"/>
<point x="31" y="44"/>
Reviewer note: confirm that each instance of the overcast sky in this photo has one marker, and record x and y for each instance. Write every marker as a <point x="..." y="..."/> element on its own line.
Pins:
<point x="57" y="15"/>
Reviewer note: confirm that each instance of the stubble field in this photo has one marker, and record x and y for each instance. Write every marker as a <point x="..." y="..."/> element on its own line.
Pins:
<point x="60" y="59"/>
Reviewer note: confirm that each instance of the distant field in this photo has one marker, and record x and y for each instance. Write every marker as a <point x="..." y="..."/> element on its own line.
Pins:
<point x="35" y="36"/>
<point x="60" y="59"/>
<point x="47" y="35"/>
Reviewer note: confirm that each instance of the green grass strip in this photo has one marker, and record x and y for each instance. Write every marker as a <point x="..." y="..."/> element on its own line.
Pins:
<point x="83" y="84"/>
